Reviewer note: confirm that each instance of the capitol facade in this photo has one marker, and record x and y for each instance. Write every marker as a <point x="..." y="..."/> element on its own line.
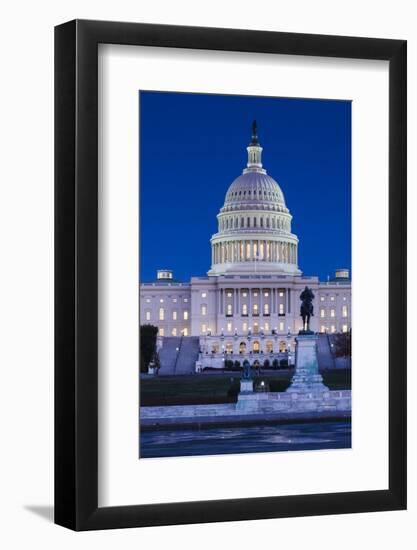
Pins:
<point x="247" y="306"/>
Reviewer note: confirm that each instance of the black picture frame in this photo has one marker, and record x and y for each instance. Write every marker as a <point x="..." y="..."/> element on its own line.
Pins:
<point x="76" y="272"/>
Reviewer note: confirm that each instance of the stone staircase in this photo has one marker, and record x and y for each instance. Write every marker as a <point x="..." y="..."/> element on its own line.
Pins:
<point x="178" y="355"/>
<point x="324" y="353"/>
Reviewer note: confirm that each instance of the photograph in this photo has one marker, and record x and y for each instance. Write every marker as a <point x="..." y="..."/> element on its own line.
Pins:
<point x="245" y="292"/>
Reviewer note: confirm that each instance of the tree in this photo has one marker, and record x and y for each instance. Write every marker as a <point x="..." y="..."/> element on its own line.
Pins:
<point x="148" y="334"/>
<point x="237" y="364"/>
<point x="267" y="364"/>
<point x="342" y="344"/>
<point x="228" y="364"/>
<point x="275" y="363"/>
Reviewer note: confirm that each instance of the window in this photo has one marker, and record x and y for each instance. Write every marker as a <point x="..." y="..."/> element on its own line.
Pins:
<point x="256" y="347"/>
<point x="229" y="294"/>
<point x="244" y="294"/>
<point x="186" y="300"/>
<point x="203" y="328"/>
<point x="344" y="328"/>
<point x="204" y="309"/>
<point x="266" y="294"/>
<point x="322" y="328"/>
<point x="321" y="298"/>
<point x="266" y="326"/>
<point x="255" y="309"/>
<point x="281" y="309"/>
<point x="244" y="327"/>
<point x="229" y="310"/>
<point x="174" y="315"/>
<point x="161" y="314"/>
<point x="148" y="315"/>
<point x="255" y="328"/>
<point x="269" y="347"/>
<point x="244" y="309"/>
<point x="185" y="331"/>
<point x="204" y="294"/>
<point x="332" y="313"/>
<point x="255" y="294"/>
<point x="215" y="347"/>
<point x="344" y="298"/>
<point x="281" y="294"/>
<point x="266" y="309"/>
<point x="242" y="347"/>
<point x="229" y="327"/>
<point x="282" y="346"/>
<point x="185" y="315"/>
<point x="148" y="300"/>
<point x="281" y="326"/>
<point x="322" y="313"/>
<point x="229" y="347"/>
<point x="344" y="311"/>
<point x="174" y="332"/>
<point x="332" y="298"/>
<point x="161" y="300"/>
<point x="161" y="332"/>
<point x="332" y="328"/>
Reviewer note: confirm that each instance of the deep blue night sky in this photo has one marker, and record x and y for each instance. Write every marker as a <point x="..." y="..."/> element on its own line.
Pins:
<point x="192" y="146"/>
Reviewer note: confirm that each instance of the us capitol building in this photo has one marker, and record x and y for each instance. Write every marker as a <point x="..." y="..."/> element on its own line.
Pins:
<point x="248" y="306"/>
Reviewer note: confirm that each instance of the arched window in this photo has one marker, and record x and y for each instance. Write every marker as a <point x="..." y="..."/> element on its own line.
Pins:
<point x="269" y="347"/>
<point x="229" y="347"/>
<point x="256" y="346"/>
<point x="242" y="347"/>
<point x="282" y="346"/>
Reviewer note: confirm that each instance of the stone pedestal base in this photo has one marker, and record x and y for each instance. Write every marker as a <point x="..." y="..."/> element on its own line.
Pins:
<point x="246" y="386"/>
<point x="307" y="378"/>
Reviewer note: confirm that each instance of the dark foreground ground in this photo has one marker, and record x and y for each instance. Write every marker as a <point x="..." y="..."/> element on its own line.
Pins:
<point x="202" y="389"/>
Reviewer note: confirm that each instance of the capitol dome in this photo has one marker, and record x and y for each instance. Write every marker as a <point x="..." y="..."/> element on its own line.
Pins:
<point x="254" y="224"/>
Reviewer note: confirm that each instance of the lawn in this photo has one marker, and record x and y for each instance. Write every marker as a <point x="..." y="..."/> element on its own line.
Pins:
<point x="202" y="389"/>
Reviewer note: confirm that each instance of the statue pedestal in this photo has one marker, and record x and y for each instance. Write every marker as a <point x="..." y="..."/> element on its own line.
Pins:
<point x="307" y="378"/>
<point x="246" y="385"/>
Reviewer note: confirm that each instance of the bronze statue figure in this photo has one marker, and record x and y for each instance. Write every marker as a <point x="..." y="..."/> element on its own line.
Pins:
<point x="306" y="310"/>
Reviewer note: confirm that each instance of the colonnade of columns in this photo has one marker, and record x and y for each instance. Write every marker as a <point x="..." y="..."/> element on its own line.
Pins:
<point x="254" y="250"/>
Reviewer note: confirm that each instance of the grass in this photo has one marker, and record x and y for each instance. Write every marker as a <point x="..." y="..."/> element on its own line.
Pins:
<point x="213" y="388"/>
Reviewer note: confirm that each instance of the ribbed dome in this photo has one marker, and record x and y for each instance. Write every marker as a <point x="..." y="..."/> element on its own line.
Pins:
<point x="254" y="187"/>
<point x="254" y="224"/>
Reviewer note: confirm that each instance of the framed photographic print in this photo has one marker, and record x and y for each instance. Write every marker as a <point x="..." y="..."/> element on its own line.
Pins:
<point x="230" y="275"/>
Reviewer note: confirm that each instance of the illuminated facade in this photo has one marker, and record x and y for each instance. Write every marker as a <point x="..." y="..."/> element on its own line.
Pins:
<point x="248" y="303"/>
